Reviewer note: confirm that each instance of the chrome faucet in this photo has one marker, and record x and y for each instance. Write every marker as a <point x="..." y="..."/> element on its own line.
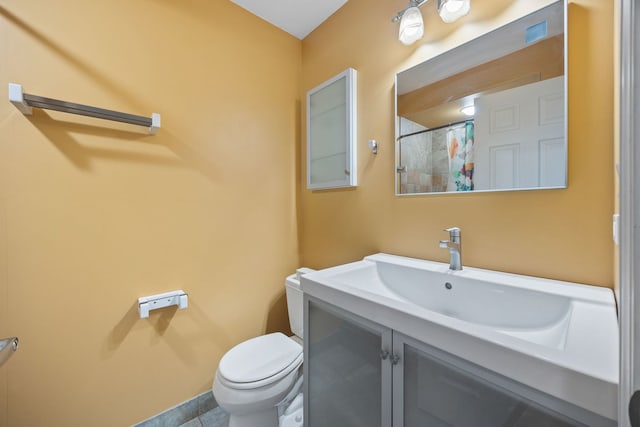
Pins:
<point x="454" y="244"/>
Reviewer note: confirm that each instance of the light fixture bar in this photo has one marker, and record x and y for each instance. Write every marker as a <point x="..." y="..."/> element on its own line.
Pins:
<point x="412" y="3"/>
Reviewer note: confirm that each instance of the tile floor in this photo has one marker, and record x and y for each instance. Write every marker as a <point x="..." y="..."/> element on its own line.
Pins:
<point x="213" y="418"/>
<point x="201" y="411"/>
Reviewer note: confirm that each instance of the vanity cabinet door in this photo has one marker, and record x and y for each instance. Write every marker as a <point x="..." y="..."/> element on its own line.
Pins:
<point x="436" y="389"/>
<point x="347" y="374"/>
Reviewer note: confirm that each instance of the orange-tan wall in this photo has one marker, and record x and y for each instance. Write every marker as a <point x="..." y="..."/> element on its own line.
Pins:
<point x="561" y="234"/>
<point x="95" y="214"/>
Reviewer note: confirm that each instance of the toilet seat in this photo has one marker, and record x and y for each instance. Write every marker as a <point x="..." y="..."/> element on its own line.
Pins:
<point x="259" y="361"/>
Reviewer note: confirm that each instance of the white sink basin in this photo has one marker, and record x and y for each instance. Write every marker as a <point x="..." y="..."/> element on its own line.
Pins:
<point x="558" y="337"/>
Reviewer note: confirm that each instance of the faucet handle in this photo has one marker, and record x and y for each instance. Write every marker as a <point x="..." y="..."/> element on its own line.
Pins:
<point x="453" y="231"/>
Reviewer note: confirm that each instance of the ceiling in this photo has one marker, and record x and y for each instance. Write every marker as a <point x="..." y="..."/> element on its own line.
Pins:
<point x="296" y="17"/>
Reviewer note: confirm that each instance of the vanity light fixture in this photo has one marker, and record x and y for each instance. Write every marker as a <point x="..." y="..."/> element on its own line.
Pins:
<point x="412" y="24"/>
<point x="468" y="110"/>
<point x="451" y="10"/>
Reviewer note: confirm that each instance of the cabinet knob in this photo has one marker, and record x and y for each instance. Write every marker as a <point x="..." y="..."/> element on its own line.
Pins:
<point x="395" y="359"/>
<point x="384" y="354"/>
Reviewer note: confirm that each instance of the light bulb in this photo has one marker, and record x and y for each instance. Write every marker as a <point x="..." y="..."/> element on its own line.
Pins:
<point x="450" y="10"/>
<point x="411" y="26"/>
<point x="468" y="110"/>
<point x="453" y="6"/>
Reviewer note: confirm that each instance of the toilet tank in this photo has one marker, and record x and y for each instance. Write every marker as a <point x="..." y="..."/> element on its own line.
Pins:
<point x="294" y="301"/>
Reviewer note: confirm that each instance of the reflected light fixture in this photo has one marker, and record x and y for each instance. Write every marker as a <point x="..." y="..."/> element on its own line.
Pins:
<point x="468" y="110"/>
<point x="451" y="10"/>
<point x="412" y="24"/>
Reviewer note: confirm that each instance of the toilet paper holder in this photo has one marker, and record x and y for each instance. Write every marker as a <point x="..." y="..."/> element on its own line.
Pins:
<point x="153" y="302"/>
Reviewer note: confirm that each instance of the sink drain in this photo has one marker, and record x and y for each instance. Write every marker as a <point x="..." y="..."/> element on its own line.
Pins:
<point x="448" y="285"/>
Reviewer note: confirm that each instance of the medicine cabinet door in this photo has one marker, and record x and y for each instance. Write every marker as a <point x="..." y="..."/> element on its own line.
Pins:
<point x="331" y="133"/>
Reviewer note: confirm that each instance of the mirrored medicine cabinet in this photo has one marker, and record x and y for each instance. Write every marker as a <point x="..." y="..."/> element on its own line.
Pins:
<point x="488" y="115"/>
<point x="331" y="133"/>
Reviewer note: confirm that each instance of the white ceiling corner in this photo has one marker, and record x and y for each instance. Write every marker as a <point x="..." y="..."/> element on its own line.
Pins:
<point x="296" y="17"/>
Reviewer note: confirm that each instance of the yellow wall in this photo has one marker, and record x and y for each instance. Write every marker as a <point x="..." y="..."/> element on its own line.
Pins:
<point x="561" y="234"/>
<point x="94" y="214"/>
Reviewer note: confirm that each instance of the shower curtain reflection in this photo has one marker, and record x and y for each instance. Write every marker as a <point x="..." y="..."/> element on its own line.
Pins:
<point x="435" y="160"/>
<point x="460" y="149"/>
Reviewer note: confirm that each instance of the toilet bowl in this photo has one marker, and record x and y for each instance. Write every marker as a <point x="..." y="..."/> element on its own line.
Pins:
<point x="258" y="375"/>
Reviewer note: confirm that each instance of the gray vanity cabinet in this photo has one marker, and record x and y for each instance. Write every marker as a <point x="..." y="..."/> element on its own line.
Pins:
<point x="361" y="374"/>
<point x="436" y="389"/>
<point x="345" y="383"/>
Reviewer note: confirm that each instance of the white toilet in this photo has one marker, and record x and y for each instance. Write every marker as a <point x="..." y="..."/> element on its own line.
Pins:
<point x="259" y="375"/>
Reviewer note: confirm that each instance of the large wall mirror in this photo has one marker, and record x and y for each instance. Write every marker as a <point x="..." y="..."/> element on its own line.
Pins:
<point x="488" y="115"/>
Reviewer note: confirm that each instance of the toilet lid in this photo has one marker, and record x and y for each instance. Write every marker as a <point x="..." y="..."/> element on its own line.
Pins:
<point x="259" y="358"/>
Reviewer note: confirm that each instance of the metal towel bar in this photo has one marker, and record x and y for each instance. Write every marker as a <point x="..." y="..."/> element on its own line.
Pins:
<point x="25" y="102"/>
